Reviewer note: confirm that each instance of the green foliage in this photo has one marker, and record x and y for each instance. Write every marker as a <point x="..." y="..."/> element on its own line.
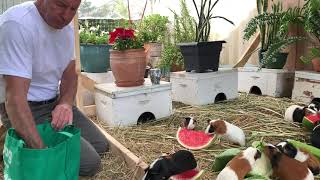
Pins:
<point x="314" y="53"/>
<point x="170" y="55"/>
<point x="273" y="27"/>
<point x="312" y="17"/>
<point x="205" y="14"/>
<point x="312" y="26"/>
<point x="184" y="25"/>
<point x="153" y="28"/>
<point x="124" y="44"/>
<point x="270" y="55"/>
<point x="92" y="36"/>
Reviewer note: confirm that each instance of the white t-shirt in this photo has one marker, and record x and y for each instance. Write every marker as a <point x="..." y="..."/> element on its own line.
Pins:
<point x="30" y="48"/>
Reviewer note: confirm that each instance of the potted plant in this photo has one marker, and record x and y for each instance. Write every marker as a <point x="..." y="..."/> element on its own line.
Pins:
<point x="203" y="55"/>
<point x="273" y="27"/>
<point x="152" y="31"/>
<point x="127" y="58"/>
<point x="183" y="31"/>
<point x="171" y="58"/>
<point x="312" y="26"/>
<point x="94" y="50"/>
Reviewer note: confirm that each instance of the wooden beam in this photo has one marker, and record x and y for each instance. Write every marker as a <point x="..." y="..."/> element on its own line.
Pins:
<point x="77" y="43"/>
<point x="79" y="100"/>
<point x="89" y="110"/>
<point x="133" y="162"/>
<point x="247" y="54"/>
<point x="87" y="83"/>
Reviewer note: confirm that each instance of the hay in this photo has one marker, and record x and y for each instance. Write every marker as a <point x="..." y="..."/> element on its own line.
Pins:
<point x="260" y="117"/>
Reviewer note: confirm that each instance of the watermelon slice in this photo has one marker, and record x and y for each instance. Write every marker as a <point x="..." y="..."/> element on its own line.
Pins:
<point x="192" y="174"/>
<point x="194" y="140"/>
<point x="310" y="121"/>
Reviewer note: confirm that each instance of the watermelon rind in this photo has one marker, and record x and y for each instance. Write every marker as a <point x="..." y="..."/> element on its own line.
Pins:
<point x="200" y="173"/>
<point x="193" y="148"/>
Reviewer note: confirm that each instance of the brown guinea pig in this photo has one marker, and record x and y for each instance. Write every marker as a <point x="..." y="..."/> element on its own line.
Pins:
<point x="286" y="168"/>
<point x="301" y="155"/>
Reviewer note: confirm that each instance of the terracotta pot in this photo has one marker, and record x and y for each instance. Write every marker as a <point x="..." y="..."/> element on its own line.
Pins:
<point x="128" y="67"/>
<point x="316" y="64"/>
<point x="175" y="68"/>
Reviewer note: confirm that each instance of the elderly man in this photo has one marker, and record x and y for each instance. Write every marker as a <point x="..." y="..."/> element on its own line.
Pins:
<point x="36" y="52"/>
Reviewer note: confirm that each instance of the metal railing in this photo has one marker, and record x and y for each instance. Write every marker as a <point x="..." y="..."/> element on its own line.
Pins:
<point x="6" y="4"/>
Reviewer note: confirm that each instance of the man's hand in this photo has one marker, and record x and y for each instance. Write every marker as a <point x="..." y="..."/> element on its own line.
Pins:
<point x="61" y="115"/>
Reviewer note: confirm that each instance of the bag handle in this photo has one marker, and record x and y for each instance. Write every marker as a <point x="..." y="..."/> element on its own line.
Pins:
<point x="66" y="133"/>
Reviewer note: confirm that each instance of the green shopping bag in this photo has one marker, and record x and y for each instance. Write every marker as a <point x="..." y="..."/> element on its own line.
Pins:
<point x="60" y="161"/>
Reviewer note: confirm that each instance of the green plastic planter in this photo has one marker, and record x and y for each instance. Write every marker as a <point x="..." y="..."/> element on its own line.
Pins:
<point x="94" y="58"/>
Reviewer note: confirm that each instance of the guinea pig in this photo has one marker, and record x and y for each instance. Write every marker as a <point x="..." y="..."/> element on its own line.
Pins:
<point x="188" y="123"/>
<point x="240" y="165"/>
<point x="170" y="165"/>
<point x="315" y="136"/>
<point x="301" y="155"/>
<point x="286" y="168"/>
<point x="226" y="130"/>
<point x="295" y="113"/>
<point x="315" y="104"/>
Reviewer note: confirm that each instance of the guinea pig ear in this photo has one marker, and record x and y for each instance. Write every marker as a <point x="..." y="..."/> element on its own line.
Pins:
<point x="208" y="121"/>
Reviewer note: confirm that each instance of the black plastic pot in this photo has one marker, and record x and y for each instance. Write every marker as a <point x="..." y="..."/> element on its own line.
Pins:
<point x="201" y="56"/>
<point x="281" y="59"/>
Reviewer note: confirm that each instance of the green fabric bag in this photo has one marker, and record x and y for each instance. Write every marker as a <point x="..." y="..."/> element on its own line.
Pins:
<point x="60" y="161"/>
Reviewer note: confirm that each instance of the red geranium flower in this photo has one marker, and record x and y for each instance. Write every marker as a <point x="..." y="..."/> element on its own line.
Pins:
<point x="121" y="33"/>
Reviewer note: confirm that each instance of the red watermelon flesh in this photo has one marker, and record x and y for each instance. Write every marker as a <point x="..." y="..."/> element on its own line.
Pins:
<point x="192" y="139"/>
<point x="313" y="118"/>
<point x="188" y="175"/>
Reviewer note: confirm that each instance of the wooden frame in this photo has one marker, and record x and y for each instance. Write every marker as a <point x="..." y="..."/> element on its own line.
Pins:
<point x="117" y="148"/>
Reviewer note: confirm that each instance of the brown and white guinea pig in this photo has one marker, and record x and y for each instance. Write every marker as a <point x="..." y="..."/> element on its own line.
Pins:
<point x="227" y="131"/>
<point x="240" y="165"/>
<point x="167" y="166"/>
<point x="286" y="168"/>
<point x="301" y="155"/>
<point x="188" y="123"/>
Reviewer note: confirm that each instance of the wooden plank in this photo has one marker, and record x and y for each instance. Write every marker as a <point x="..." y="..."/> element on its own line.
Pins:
<point x="245" y="57"/>
<point x="133" y="162"/>
<point x="87" y="83"/>
<point x="89" y="110"/>
<point x="79" y="100"/>
<point x="77" y="43"/>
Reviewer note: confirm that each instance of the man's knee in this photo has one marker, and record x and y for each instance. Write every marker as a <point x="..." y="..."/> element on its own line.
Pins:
<point x="90" y="160"/>
<point x="90" y="166"/>
<point x="102" y="146"/>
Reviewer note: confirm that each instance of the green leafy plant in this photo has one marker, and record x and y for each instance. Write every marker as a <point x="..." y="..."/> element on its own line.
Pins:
<point x="184" y="24"/>
<point x="153" y="28"/>
<point x="171" y="56"/>
<point x="273" y="27"/>
<point x="205" y="14"/>
<point x="92" y="36"/>
<point x="314" y="53"/>
<point x="312" y="26"/>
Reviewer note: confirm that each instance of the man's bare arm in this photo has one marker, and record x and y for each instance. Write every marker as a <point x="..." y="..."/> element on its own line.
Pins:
<point x="68" y="87"/>
<point x="19" y="112"/>
<point x="62" y="113"/>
